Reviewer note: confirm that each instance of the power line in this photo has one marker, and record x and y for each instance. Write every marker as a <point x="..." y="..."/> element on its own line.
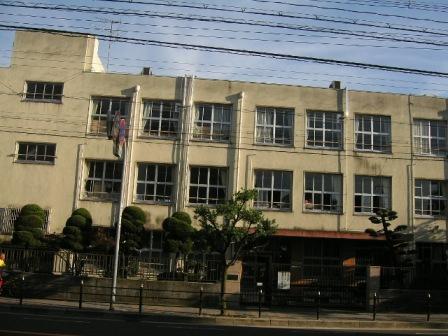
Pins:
<point x="247" y="52"/>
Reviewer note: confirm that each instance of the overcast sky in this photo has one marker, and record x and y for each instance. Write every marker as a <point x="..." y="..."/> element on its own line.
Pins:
<point x="417" y="37"/>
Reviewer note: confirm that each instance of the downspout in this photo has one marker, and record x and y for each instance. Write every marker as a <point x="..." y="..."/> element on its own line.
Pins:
<point x="238" y="143"/>
<point x="346" y="117"/>
<point x="132" y="134"/>
<point x="411" y="173"/>
<point x="186" y="130"/>
<point x="79" y="175"/>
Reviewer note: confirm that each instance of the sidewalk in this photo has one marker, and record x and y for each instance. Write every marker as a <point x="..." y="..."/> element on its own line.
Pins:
<point x="282" y="317"/>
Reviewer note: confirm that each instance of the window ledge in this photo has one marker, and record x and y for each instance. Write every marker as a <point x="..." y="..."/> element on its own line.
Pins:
<point x="273" y="145"/>
<point x="99" y="199"/>
<point x="51" y="101"/>
<point x="430" y="156"/>
<point x="364" y="214"/>
<point x="320" y="212"/>
<point x="274" y="210"/>
<point x="438" y="217"/>
<point x="167" y="138"/>
<point x="222" y="142"/>
<point x="136" y="201"/>
<point x="43" y="163"/>
<point x="372" y="152"/>
<point x="325" y="148"/>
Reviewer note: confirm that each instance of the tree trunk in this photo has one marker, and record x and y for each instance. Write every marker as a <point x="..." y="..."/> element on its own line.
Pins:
<point x="223" y="287"/>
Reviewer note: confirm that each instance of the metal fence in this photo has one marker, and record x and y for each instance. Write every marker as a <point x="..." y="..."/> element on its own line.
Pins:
<point x="413" y="278"/>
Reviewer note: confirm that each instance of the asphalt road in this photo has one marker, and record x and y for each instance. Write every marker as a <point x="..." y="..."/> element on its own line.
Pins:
<point x="26" y="324"/>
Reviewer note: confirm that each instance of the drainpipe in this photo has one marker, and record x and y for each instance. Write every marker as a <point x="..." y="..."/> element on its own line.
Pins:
<point x="346" y="117"/>
<point x="411" y="172"/>
<point x="238" y="143"/>
<point x="79" y="175"/>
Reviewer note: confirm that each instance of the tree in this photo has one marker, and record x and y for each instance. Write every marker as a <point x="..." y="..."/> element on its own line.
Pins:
<point x="132" y="229"/>
<point x="28" y="227"/>
<point x="232" y="228"/>
<point x="78" y="230"/>
<point x="178" y="233"/>
<point x="398" y="240"/>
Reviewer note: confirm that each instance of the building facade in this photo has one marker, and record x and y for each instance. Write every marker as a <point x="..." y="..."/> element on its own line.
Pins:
<point x="322" y="159"/>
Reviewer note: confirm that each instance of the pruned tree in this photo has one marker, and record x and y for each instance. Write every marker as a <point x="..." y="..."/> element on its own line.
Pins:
<point x="398" y="240"/>
<point x="178" y="233"/>
<point x="77" y="231"/>
<point x="232" y="228"/>
<point x="28" y="227"/>
<point x="132" y="229"/>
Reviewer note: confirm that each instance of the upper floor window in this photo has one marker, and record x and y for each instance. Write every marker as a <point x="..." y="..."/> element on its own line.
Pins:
<point x="208" y="185"/>
<point x="372" y="193"/>
<point x="275" y="125"/>
<point x="161" y="118"/>
<point x="36" y="152"/>
<point x="373" y="133"/>
<point x="100" y="108"/>
<point x="324" y="130"/>
<point x="154" y="182"/>
<point x="430" y="137"/>
<point x="103" y="179"/>
<point x="430" y="197"/>
<point x="274" y="189"/>
<point x="43" y="91"/>
<point x="323" y="192"/>
<point x="212" y="122"/>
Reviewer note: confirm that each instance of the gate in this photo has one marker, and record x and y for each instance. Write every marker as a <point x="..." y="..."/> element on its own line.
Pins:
<point x="299" y="285"/>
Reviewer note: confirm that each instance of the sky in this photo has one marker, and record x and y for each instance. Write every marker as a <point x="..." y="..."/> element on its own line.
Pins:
<point x="401" y="33"/>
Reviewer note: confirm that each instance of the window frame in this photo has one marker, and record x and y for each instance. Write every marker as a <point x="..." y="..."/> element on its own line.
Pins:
<point x="102" y="118"/>
<point x="55" y="98"/>
<point x="175" y="108"/>
<point x="102" y="195"/>
<point x="155" y="183"/>
<point x="310" y="207"/>
<point x="37" y="145"/>
<point x="200" y="124"/>
<point x="271" y="189"/>
<point x="383" y="119"/>
<point x="418" y="124"/>
<point x="372" y="193"/>
<point x="325" y="132"/>
<point x="430" y="198"/>
<point x="262" y="128"/>
<point x="208" y="186"/>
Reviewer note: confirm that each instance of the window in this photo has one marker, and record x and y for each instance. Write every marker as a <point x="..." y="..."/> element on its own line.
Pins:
<point x="44" y="91"/>
<point x="430" y="197"/>
<point x="208" y="185"/>
<point x="154" y="182"/>
<point x="274" y="125"/>
<point x="324" y="130"/>
<point x="430" y="137"/>
<point x="323" y="192"/>
<point x="100" y="107"/>
<point x="36" y="152"/>
<point x="373" y="133"/>
<point x="8" y="217"/>
<point x="212" y="122"/>
<point x="372" y="193"/>
<point x="104" y="179"/>
<point x="274" y="189"/>
<point x="161" y="118"/>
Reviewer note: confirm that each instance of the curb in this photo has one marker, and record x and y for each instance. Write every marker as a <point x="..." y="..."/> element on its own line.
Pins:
<point x="229" y="320"/>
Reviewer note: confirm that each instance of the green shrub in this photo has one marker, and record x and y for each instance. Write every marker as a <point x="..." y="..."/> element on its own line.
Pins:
<point x="24" y="238"/>
<point x="84" y="213"/>
<point x="182" y="216"/>
<point x="32" y="209"/>
<point x="29" y="222"/>
<point x="73" y="232"/>
<point x="77" y="221"/>
<point x="134" y="214"/>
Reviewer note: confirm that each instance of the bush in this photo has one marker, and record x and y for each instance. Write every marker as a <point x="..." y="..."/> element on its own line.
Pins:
<point x="77" y="221"/>
<point x="182" y="216"/>
<point x="24" y="238"/>
<point x="33" y="209"/>
<point x="134" y="214"/>
<point x="84" y="213"/>
<point x="29" y="222"/>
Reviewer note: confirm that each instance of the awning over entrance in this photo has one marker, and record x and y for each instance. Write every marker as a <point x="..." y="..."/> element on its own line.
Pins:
<point x="326" y="234"/>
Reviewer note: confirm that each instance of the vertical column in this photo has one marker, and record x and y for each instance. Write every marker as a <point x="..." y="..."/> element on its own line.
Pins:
<point x="237" y="144"/>
<point x="79" y="175"/>
<point x="186" y="127"/>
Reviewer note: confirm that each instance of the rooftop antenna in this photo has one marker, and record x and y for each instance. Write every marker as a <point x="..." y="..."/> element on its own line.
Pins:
<point x="111" y="32"/>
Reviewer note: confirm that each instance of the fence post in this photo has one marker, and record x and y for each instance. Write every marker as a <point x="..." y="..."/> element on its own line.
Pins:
<point x="428" y="312"/>
<point x="140" y="303"/>
<point x="260" y="292"/>
<point x="201" y="291"/>
<point x="81" y="290"/>
<point x="22" y="283"/>
<point x="374" y="306"/>
<point x="318" y="305"/>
